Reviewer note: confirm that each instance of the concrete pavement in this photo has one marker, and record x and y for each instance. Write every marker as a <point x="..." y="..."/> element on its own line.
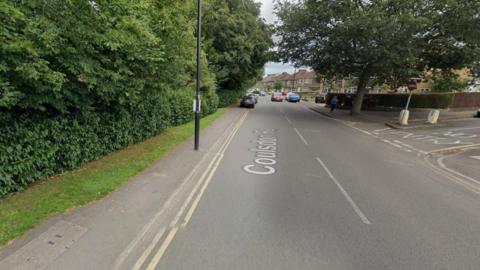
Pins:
<point x="282" y="187"/>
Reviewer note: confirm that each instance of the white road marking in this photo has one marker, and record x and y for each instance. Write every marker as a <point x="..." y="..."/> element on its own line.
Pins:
<point x="468" y="185"/>
<point x="123" y="256"/>
<point x="344" y="192"/>
<point x="174" y="227"/>
<point x="301" y="137"/>
<point x="464" y="128"/>
<point x="288" y="120"/>
<point x="377" y="131"/>
<point x="404" y="147"/>
<point x="404" y="144"/>
<point x="475" y="157"/>
<point x="440" y="162"/>
<point x="461" y="147"/>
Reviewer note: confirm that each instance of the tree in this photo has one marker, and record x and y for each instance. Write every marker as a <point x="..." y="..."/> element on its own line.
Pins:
<point x="447" y="82"/>
<point x="237" y="42"/>
<point x="385" y="40"/>
<point x="278" y="85"/>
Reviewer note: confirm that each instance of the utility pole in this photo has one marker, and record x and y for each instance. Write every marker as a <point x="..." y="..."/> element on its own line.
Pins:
<point x="197" y="90"/>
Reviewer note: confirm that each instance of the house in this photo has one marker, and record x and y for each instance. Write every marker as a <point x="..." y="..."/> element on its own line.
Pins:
<point x="305" y="81"/>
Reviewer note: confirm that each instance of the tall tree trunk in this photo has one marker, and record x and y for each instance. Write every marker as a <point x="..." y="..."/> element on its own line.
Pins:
<point x="361" y="89"/>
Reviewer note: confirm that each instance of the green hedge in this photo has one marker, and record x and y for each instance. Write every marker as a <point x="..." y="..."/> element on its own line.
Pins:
<point x="35" y="146"/>
<point x="229" y="97"/>
<point x="432" y="100"/>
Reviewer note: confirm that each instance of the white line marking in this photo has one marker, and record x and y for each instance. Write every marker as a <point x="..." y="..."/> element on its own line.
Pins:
<point x="210" y="175"/>
<point x="404" y="144"/>
<point x="344" y="192"/>
<point x="301" y="137"/>
<point x="475" y="157"/>
<point x="440" y="162"/>
<point x="174" y="228"/>
<point x="453" y="129"/>
<point x="288" y="120"/>
<point x="377" y="132"/>
<point x="147" y="227"/>
<point x="468" y="185"/>
<point x="461" y="147"/>
<point x="380" y="130"/>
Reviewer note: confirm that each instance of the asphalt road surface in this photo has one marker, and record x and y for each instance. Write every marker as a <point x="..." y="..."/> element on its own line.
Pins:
<point x="277" y="187"/>
<point x="323" y="196"/>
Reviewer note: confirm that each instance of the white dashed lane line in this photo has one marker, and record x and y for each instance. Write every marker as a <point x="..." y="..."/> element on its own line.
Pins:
<point x="301" y="137"/>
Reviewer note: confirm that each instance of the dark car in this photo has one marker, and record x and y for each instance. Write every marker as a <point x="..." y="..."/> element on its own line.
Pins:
<point x="321" y="98"/>
<point x="255" y="97"/>
<point x="248" y="102"/>
<point x="478" y="113"/>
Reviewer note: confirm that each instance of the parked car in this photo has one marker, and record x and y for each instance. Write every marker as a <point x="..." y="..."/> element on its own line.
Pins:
<point x="321" y="98"/>
<point x="293" y="97"/>
<point x="262" y="93"/>
<point x="277" y="97"/>
<point x="478" y="113"/>
<point x="248" y="102"/>
<point x="255" y="97"/>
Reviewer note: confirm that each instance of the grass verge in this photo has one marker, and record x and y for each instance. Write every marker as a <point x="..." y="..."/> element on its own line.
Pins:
<point x="22" y="211"/>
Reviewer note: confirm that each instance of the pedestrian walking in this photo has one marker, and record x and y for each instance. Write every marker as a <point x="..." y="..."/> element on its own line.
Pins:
<point x="333" y="103"/>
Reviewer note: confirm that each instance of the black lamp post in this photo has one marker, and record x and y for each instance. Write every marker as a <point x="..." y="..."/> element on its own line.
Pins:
<point x="197" y="90"/>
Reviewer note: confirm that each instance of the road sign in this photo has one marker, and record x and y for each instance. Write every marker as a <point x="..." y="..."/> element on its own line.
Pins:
<point x="195" y="105"/>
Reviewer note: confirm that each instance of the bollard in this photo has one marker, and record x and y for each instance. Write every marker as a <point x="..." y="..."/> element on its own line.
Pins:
<point x="404" y="114"/>
<point x="433" y="117"/>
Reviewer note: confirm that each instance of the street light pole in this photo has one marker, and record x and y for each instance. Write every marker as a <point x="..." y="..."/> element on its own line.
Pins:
<point x="197" y="89"/>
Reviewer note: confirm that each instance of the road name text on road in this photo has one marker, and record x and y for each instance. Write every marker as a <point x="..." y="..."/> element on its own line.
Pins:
<point x="265" y="153"/>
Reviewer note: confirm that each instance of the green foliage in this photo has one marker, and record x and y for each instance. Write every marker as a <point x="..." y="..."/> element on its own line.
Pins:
<point x="237" y="42"/>
<point x="389" y="41"/>
<point x="229" y="97"/>
<point x="80" y="79"/>
<point x="38" y="146"/>
<point x="278" y="85"/>
<point x="447" y="82"/>
<point x="22" y="211"/>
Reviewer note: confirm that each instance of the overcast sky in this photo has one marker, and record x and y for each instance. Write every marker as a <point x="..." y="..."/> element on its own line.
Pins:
<point x="267" y="13"/>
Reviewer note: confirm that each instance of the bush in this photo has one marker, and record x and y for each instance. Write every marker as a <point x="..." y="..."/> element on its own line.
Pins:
<point x="35" y="146"/>
<point x="229" y="97"/>
<point x="80" y="79"/>
<point x="448" y="82"/>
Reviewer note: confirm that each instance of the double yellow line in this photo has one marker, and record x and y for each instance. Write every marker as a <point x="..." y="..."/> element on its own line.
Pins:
<point x="203" y="182"/>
